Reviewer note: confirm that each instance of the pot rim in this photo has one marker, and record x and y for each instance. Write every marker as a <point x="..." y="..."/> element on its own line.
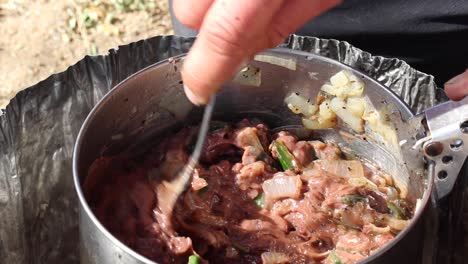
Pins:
<point x="77" y="148"/>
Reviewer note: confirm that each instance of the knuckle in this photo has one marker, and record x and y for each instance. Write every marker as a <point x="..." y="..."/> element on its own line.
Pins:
<point x="278" y="34"/>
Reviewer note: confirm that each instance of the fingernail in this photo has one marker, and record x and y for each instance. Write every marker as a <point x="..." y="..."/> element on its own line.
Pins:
<point x="455" y="80"/>
<point x="197" y="100"/>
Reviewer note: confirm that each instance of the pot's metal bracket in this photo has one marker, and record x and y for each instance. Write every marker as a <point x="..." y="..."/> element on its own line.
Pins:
<point x="446" y="143"/>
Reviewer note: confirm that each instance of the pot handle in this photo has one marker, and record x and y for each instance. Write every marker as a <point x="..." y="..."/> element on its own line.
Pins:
<point x="446" y="143"/>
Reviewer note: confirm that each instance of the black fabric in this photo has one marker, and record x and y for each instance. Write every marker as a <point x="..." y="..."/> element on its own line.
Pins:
<point x="431" y="35"/>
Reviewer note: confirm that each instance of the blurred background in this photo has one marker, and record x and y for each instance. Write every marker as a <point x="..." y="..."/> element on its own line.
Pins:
<point x="42" y="37"/>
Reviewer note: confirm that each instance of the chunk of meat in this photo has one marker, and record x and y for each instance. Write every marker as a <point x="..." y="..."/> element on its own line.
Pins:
<point x="274" y="258"/>
<point x="326" y="151"/>
<point x="306" y="221"/>
<point x="303" y="152"/>
<point x="263" y="133"/>
<point x="250" y="155"/>
<point x="356" y="216"/>
<point x="284" y="206"/>
<point x="154" y="248"/>
<point x="174" y="162"/>
<point x="250" y="174"/>
<point x="248" y="208"/>
<point x="354" y="242"/>
<point x="280" y="222"/>
<point x="180" y="245"/>
<point x="198" y="183"/>
<point x="381" y="240"/>
<point x="144" y="199"/>
<point x="219" y="144"/>
<point x="247" y="137"/>
<point x="288" y="139"/>
<point x="376" y="200"/>
<point x="255" y="225"/>
<point x="334" y="193"/>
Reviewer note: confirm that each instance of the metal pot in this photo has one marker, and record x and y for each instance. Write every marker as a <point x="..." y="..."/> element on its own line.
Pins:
<point x="152" y="100"/>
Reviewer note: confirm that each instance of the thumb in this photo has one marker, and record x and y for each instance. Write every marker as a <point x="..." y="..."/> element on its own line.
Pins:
<point x="231" y="32"/>
<point x="457" y="87"/>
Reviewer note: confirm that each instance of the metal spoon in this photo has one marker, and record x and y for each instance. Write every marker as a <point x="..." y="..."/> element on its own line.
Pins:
<point x="169" y="192"/>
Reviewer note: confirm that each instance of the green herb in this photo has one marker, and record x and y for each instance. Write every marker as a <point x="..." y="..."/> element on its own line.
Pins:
<point x="353" y="199"/>
<point x="203" y="190"/>
<point x="285" y="157"/>
<point x="260" y="201"/>
<point x="334" y="258"/>
<point x="193" y="260"/>
<point x="396" y="210"/>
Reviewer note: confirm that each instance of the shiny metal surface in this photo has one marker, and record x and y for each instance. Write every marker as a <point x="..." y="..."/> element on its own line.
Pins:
<point x="152" y="101"/>
<point x="447" y="142"/>
<point x="171" y="191"/>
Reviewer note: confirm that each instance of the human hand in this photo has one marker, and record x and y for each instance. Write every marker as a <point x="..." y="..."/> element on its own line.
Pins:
<point x="233" y="31"/>
<point x="457" y="87"/>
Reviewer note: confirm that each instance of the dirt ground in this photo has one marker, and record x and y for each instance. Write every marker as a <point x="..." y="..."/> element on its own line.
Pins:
<point x="42" y="37"/>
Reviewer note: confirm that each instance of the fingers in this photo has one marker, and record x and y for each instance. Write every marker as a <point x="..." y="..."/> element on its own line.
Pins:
<point x="191" y="12"/>
<point x="457" y="87"/>
<point x="231" y="32"/>
<point x="293" y="15"/>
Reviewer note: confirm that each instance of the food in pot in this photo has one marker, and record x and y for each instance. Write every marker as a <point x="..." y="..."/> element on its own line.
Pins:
<point x="255" y="197"/>
<point x="342" y="97"/>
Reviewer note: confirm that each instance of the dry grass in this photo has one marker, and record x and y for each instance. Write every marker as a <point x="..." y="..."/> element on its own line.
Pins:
<point x="42" y="37"/>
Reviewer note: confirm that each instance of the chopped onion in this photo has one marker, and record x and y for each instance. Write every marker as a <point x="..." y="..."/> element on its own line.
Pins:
<point x="325" y="112"/>
<point x="371" y="228"/>
<point x="325" y="118"/>
<point x="339" y="79"/>
<point x="339" y="107"/>
<point x="274" y="258"/>
<point x="381" y="127"/>
<point x="356" y="106"/>
<point x="391" y="193"/>
<point x="355" y="86"/>
<point x="249" y="75"/>
<point x="300" y="105"/>
<point x="311" y="171"/>
<point x="288" y="63"/>
<point x="344" y="84"/>
<point x="282" y="187"/>
<point x="362" y="182"/>
<point x="355" y="89"/>
<point x="330" y="89"/>
<point x="343" y="168"/>
<point x="397" y="224"/>
<point x="318" y="123"/>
